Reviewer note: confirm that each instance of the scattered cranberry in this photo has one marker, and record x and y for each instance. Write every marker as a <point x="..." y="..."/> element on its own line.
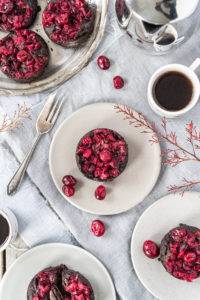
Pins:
<point x="98" y="228"/>
<point x="103" y="62"/>
<point x="118" y="82"/>
<point x="100" y="192"/>
<point x="69" y="180"/>
<point x="151" y="249"/>
<point x="68" y="190"/>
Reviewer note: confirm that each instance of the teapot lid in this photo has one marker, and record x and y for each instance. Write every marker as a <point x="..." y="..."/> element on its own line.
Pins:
<point x="160" y="12"/>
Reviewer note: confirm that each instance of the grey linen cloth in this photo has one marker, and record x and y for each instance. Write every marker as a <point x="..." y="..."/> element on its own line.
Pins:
<point x="38" y="200"/>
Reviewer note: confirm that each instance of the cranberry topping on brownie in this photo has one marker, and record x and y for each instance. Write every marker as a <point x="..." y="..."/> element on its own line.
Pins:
<point x="23" y="55"/>
<point x="17" y="14"/>
<point x="180" y="252"/>
<point x="102" y="154"/>
<point x="59" y="283"/>
<point x="65" y="21"/>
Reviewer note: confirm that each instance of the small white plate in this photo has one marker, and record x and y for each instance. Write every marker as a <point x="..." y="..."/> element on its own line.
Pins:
<point x="155" y="222"/>
<point x="16" y="280"/>
<point x="127" y="190"/>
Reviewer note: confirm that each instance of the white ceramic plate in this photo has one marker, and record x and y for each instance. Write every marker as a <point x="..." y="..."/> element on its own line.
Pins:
<point x="155" y="222"/>
<point x="127" y="190"/>
<point x="16" y="280"/>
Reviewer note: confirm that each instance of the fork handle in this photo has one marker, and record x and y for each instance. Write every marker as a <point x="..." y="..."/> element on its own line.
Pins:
<point x="19" y="174"/>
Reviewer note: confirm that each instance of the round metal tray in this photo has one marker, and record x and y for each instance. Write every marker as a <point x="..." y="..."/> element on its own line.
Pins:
<point x="64" y="63"/>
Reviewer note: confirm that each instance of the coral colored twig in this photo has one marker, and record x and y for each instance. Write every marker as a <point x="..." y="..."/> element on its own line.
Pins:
<point x="175" y="153"/>
<point x="9" y="123"/>
<point x="186" y="186"/>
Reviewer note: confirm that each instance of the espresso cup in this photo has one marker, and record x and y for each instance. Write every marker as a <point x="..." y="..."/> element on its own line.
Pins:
<point x="189" y="73"/>
<point x="8" y="215"/>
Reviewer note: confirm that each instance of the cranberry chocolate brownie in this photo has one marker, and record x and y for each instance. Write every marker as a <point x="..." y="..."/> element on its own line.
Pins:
<point x="180" y="252"/>
<point x="102" y="154"/>
<point x="59" y="283"/>
<point x="65" y="21"/>
<point x="17" y="14"/>
<point x="23" y="55"/>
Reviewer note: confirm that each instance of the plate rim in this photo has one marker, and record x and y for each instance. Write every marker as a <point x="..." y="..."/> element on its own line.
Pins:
<point x="51" y="167"/>
<point x="56" y="81"/>
<point x="137" y="225"/>
<point x="47" y="245"/>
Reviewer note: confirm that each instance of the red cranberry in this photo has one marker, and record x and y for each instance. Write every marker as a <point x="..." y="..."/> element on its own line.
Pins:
<point x="68" y="190"/>
<point x="105" y="155"/>
<point x="178" y="234"/>
<point x="100" y="192"/>
<point x="190" y="257"/>
<point x="22" y="55"/>
<point x="151" y="249"/>
<point x="103" y="62"/>
<point x="35" y="298"/>
<point x="87" y="153"/>
<point x="69" y="180"/>
<point x="118" y="82"/>
<point x="98" y="228"/>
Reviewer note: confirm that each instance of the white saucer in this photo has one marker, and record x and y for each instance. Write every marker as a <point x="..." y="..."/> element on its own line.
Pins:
<point x="155" y="222"/>
<point x="16" y="280"/>
<point x="127" y="190"/>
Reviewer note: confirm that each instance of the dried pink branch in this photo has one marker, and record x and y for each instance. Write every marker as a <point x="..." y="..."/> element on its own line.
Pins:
<point x="186" y="186"/>
<point x="139" y="121"/>
<point x="9" y="123"/>
<point x="177" y="154"/>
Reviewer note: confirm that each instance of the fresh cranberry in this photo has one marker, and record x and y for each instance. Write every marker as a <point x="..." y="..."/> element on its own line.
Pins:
<point x="69" y="180"/>
<point x="98" y="228"/>
<point x="68" y="190"/>
<point x="105" y="155"/>
<point x="100" y="192"/>
<point x="151" y="249"/>
<point x="178" y="234"/>
<point x="118" y="82"/>
<point x="190" y="257"/>
<point x="103" y="62"/>
<point x="22" y="55"/>
<point x="87" y="153"/>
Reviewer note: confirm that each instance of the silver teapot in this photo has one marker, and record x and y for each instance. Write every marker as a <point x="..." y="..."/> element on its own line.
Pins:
<point x="158" y="25"/>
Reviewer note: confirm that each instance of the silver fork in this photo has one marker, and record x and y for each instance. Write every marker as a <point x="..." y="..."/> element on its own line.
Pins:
<point x="44" y="123"/>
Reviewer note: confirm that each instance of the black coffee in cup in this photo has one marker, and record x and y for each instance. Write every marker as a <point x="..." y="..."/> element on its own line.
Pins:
<point x="173" y="91"/>
<point x="4" y="230"/>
